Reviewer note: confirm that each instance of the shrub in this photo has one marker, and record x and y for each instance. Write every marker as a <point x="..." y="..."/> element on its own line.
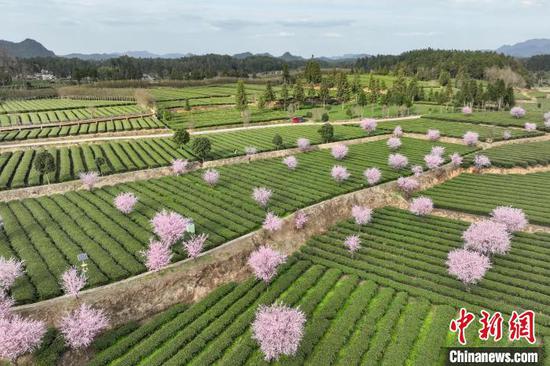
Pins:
<point x="324" y="117"/>
<point x="181" y="137"/>
<point x="327" y="132"/>
<point x="278" y="141"/>
<point x="201" y="147"/>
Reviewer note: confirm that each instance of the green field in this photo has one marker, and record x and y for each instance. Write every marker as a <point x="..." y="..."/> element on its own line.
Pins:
<point x="520" y="154"/>
<point x="479" y="194"/>
<point x="390" y="304"/>
<point x="503" y="119"/>
<point x="49" y="232"/>
<point x="36" y="105"/>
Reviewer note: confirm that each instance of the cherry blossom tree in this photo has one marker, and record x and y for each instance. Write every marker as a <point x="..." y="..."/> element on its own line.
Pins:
<point x="394" y="143"/>
<point x="481" y="161"/>
<point x="6" y="303"/>
<point x="10" y="270"/>
<point x="361" y="214"/>
<point x="466" y="110"/>
<point x="456" y="159"/>
<point x="470" y="138"/>
<point x="352" y="243"/>
<point x="339" y="173"/>
<point x="72" y="281"/>
<point x="433" y="161"/>
<point x="125" y="202"/>
<point x="507" y="135"/>
<point x="179" y="166"/>
<point x="261" y="195"/>
<point x="157" y="255"/>
<point x="303" y="144"/>
<point x="300" y="220"/>
<point x="438" y="150"/>
<point x="264" y="262"/>
<point x="250" y="150"/>
<point x="513" y="218"/>
<point x="407" y="184"/>
<point x="417" y="170"/>
<point x="81" y="326"/>
<point x="272" y="222"/>
<point x="433" y="135"/>
<point x="194" y="245"/>
<point x="89" y="179"/>
<point x="398" y="131"/>
<point x="372" y="175"/>
<point x="518" y="112"/>
<point x="397" y="161"/>
<point x="487" y="237"/>
<point x="530" y="127"/>
<point x="467" y="266"/>
<point x="19" y="336"/>
<point x="421" y="206"/>
<point x="278" y="329"/>
<point x="211" y="177"/>
<point x="368" y="125"/>
<point x="547" y="116"/>
<point x="291" y="162"/>
<point x="169" y="226"/>
<point x="547" y="123"/>
<point x="339" y="151"/>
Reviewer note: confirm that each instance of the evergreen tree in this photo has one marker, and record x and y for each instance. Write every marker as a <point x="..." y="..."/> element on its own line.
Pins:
<point x="324" y="92"/>
<point x="241" y="100"/>
<point x="286" y="74"/>
<point x="327" y="132"/>
<point x="278" y="141"/>
<point x="284" y="94"/>
<point x="44" y="163"/>
<point x="312" y="72"/>
<point x="269" y="95"/>
<point x="299" y="91"/>
<point x="181" y="137"/>
<point x="201" y="147"/>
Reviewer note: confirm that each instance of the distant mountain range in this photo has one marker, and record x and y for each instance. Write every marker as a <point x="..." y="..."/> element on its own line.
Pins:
<point x="25" y="49"/>
<point x="136" y="54"/>
<point x="527" y="48"/>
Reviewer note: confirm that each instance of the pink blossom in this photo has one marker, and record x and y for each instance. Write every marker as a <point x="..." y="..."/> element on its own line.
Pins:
<point x="466" y="110"/>
<point x="438" y="150"/>
<point x="470" y="138"/>
<point x="507" y="135"/>
<point x="339" y="151"/>
<point x="89" y="179"/>
<point x="179" y="166"/>
<point x="482" y="161"/>
<point x="72" y="281"/>
<point x="278" y="329"/>
<point x="487" y="237"/>
<point x="547" y="116"/>
<point x="397" y="131"/>
<point x="456" y="159"/>
<point x="368" y="125"/>
<point x="407" y="184"/>
<point x="417" y="170"/>
<point x="272" y="222"/>
<point x="517" y="112"/>
<point x="19" y="336"/>
<point x="469" y="267"/>
<point x="157" y="255"/>
<point x="394" y="143"/>
<point x="339" y="173"/>
<point x="433" y="135"/>
<point x="264" y="262"/>
<point x="6" y="303"/>
<point x="361" y="214"/>
<point x="373" y="175"/>
<point x="250" y="150"/>
<point x="513" y="218"/>
<point x="530" y="127"/>
<point x="169" y="226"/>
<point x="194" y="245"/>
<point x="211" y="177"/>
<point x="353" y="243"/>
<point x="10" y="270"/>
<point x="303" y="144"/>
<point x="300" y="220"/>
<point x="81" y="326"/>
<point x="433" y="161"/>
<point x="547" y="123"/>
<point x="125" y="202"/>
<point x="261" y="195"/>
<point x="398" y="161"/>
<point x="421" y="206"/>
<point x="291" y="162"/>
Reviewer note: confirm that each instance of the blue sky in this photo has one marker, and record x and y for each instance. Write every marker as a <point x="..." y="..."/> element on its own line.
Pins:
<point x="304" y="27"/>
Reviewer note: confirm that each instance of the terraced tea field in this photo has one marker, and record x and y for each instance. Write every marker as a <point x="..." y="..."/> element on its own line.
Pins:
<point x="521" y="154"/>
<point x="38" y="105"/>
<point x="479" y="194"/>
<point x="502" y="119"/>
<point x="50" y="231"/>
<point x="389" y="304"/>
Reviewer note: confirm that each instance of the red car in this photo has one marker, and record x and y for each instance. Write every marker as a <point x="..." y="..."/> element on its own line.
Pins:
<point x="297" y="119"/>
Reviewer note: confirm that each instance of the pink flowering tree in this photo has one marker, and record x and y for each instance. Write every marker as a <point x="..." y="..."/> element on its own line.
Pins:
<point x="438" y="150"/>
<point x="361" y="215"/>
<point x="179" y="166"/>
<point x="513" y="218"/>
<point x="261" y="195"/>
<point x="81" y="326"/>
<point x="368" y="125"/>
<point x="394" y="143"/>
<point x="352" y="243"/>
<point x="507" y="135"/>
<point x="417" y="170"/>
<point x="169" y="226"/>
<point x="72" y="281"/>
<point x="10" y="270"/>
<point x="291" y="162"/>
<point x="481" y="161"/>
<point x="278" y="329"/>
<point x="157" y="255"/>
<point x="433" y="161"/>
<point x="89" y="179"/>
<point x="518" y="112"/>
<point x="407" y="184"/>
<point x="339" y="173"/>
<point x="272" y="222"/>
<point x="530" y="127"/>
<point x="487" y="237"/>
<point x="470" y="138"/>
<point x="372" y="175"/>
<point x="421" y="206"/>
<point x="398" y="131"/>
<point x="125" y="202"/>
<point x="433" y="135"/>
<point x="211" y="177"/>
<point x="339" y="151"/>
<point x="194" y="245"/>
<point x="19" y="336"/>
<point x="466" y="110"/>
<point x="397" y="161"/>
<point x="467" y="266"/>
<point x="264" y="262"/>
<point x="6" y="304"/>
<point x="300" y="220"/>
<point x="303" y="144"/>
<point x="547" y="116"/>
<point x="456" y="159"/>
<point x="250" y="150"/>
